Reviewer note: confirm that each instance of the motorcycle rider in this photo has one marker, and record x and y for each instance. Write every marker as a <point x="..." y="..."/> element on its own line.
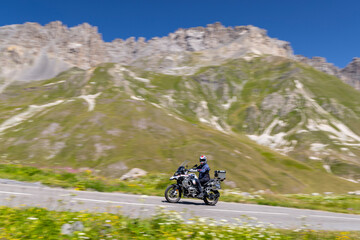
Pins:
<point x="204" y="175"/>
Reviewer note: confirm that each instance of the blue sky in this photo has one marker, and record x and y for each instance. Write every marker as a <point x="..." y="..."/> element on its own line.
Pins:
<point x="326" y="28"/>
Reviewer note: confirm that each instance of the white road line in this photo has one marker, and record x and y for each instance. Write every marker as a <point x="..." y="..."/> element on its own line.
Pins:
<point x="16" y="193"/>
<point x="225" y="210"/>
<point x="344" y="218"/>
<point x="78" y="192"/>
<point x="126" y="203"/>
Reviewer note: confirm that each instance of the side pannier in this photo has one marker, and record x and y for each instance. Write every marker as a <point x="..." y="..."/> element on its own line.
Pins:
<point x="220" y="174"/>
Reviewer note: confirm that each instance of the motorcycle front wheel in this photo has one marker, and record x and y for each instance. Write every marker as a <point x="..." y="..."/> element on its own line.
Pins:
<point x="212" y="198"/>
<point x="172" y="193"/>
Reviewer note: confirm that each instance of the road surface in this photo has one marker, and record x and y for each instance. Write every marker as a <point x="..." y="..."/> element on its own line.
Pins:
<point x="143" y="206"/>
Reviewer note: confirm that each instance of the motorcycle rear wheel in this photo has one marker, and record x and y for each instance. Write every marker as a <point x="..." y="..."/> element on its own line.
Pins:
<point x="173" y="194"/>
<point x="212" y="198"/>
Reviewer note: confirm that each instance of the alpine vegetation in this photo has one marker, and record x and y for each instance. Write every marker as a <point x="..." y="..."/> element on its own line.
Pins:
<point x="272" y="119"/>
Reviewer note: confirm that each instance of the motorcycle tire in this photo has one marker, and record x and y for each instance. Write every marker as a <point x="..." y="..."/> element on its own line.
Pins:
<point x="173" y="194"/>
<point x="212" y="198"/>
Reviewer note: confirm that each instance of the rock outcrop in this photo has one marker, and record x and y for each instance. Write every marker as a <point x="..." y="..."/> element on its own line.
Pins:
<point x="32" y="52"/>
<point x="134" y="173"/>
<point x="320" y="64"/>
<point x="351" y="73"/>
<point x="233" y="42"/>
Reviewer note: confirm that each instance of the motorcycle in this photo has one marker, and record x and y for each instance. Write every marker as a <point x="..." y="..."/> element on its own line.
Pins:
<point x="185" y="186"/>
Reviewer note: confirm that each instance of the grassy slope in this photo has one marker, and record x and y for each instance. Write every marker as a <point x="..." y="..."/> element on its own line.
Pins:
<point x="123" y="132"/>
<point x="261" y="77"/>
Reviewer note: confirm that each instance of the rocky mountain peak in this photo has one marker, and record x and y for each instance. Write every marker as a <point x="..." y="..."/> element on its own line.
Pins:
<point x="214" y="35"/>
<point x="351" y="73"/>
<point x="31" y="51"/>
<point x="321" y="64"/>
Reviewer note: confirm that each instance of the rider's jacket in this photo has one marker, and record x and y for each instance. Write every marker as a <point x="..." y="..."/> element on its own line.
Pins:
<point x="204" y="171"/>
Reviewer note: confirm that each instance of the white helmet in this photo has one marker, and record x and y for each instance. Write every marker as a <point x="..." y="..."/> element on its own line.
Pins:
<point x="203" y="159"/>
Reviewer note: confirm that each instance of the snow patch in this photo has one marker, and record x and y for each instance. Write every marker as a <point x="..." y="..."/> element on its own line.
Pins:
<point x="170" y="100"/>
<point x="145" y="80"/>
<point x="302" y="131"/>
<point x="327" y="168"/>
<point x="341" y="133"/>
<point x="90" y="99"/>
<point x="132" y="74"/>
<point x="349" y="179"/>
<point x="203" y="120"/>
<point x="185" y="71"/>
<point x="302" y="91"/>
<point x="281" y="123"/>
<point x="237" y="151"/>
<point x="203" y="104"/>
<point x="138" y="98"/>
<point x="316" y="147"/>
<point x="204" y="116"/>
<point x="227" y="105"/>
<point x="337" y="129"/>
<point x="171" y="115"/>
<point x="351" y="154"/>
<point x="21" y="117"/>
<point x="156" y="105"/>
<point x="351" y="144"/>
<point x="214" y="122"/>
<point x="314" y="158"/>
<point x="276" y="142"/>
<point x="49" y="84"/>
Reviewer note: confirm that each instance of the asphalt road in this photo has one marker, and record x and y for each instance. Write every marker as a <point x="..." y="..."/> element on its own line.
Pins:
<point x="143" y="206"/>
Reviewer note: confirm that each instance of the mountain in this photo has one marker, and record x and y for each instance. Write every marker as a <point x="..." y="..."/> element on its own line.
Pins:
<point x="33" y="52"/>
<point x="271" y="119"/>
<point x="113" y="118"/>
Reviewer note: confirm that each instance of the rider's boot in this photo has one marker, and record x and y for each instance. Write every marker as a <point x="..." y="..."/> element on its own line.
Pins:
<point x="201" y="194"/>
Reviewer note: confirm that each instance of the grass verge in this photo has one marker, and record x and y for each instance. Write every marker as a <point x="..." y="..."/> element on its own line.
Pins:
<point x="39" y="223"/>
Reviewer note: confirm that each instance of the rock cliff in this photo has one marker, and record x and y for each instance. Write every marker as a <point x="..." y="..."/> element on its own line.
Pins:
<point x="32" y="52"/>
<point x="320" y="64"/>
<point x="351" y="73"/>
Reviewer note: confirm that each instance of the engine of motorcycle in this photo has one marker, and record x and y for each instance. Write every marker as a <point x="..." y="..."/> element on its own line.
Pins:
<point x="186" y="183"/>
<point x="192" y="191"/>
